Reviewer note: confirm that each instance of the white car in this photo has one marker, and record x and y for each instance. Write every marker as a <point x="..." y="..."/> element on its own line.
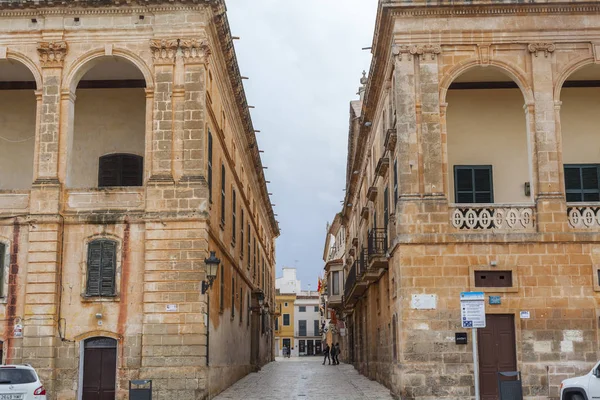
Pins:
<point x="586" y="387"/>
<point x="20" y="382"/>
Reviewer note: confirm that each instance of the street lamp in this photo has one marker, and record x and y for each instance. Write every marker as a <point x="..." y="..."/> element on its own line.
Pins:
<point x="212" y="266"/>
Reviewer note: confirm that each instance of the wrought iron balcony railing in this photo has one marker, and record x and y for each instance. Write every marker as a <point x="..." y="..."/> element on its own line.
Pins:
<point x="377" y="242"/>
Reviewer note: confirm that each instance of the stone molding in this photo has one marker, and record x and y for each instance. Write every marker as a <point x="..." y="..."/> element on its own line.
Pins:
<point x="195" y="51"/>
<point x="164" y="50"/>
<point x="547" y="48"/>
<point x="424" y="51"/>
<point x="52" y="54"/>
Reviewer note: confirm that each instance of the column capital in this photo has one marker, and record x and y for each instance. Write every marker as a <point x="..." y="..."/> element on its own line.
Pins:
<point x="52" y="54"/>
<point x="195" y="51"/>
<point x="164" y="50"/>
<point x="424" y="51"/>
<point x="547" y="48"/>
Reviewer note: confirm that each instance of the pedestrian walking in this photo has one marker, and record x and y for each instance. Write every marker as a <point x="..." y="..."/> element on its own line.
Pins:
<point x="333" y="353"/>
<point x="337" y="353"/>
<point x="326" y="353"/>
<point x="284" y="351"/>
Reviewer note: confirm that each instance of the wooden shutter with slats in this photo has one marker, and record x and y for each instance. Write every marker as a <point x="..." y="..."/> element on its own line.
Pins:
<point x="101" y="268"/>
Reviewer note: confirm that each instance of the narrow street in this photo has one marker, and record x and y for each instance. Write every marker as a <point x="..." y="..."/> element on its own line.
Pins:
<point x="306" y="379"/>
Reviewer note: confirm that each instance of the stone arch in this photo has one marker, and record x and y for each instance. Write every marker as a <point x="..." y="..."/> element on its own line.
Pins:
<point x="27" y="63"/>
<point x="568" y="71"/>
<point x="87" y="61"/>
<point x="98" y="333"/>
<point x="514" y="72"/>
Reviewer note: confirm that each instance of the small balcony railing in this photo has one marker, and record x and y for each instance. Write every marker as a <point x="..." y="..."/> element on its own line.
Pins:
<point x="492" y="217"/>
<point x="584" y="216"/>
<point x="350" y="280"/>
<point x="377" y="242"/>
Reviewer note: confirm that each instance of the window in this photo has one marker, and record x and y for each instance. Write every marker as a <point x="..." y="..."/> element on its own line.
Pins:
<point x="2" y="273"/>
<point x="395" y="183"/>
<point x="473" y="184"/>
<point x="335" y="283"/>
<point x="286" y="343"/>
<point x="233" y="207"/>
<point x="249" y="246"/>
<point x="241" y="305"/>
<point x="232" y="297"/>
<point x="248" y="311"/>
<point x="285" y="304"/>
<point x="222" y="290"/>
<point x="286" y="319"/>
<point x="301" y="346"/>
<point x="386" y="205"/>
<point x="254" y="255"/>
<point x="302" y="309"/>
<point x="223" y="194"/>
<point x="581" y="183"/>
<point x="493" y="278"/>
<point x="242" y="235"/>
<point x="276" y="324"/>
<point x="210" y="166"/>
<point x="101" y="267"/>
<point x="316" y="327"/>
<point x="302" y="327"/>
<point x="394" y="339"/>
<point x="316" y="308"/>
<point x="120" y="170"/>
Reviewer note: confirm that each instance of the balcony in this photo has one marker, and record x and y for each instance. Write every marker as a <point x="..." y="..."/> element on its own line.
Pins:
<point x="355" y="284"/>
<point x="496" y="217"/>
<point x="583" y="216"/>
<point x="390" y="140"/>
<point x="382" y="167"/>
<point x="364" y="213"/>
<point x="376" y="258"/>
<point x="372" y="193"/>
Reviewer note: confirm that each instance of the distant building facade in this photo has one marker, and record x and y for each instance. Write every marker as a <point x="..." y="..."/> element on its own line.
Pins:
<point x="285" y="323"/>
<point x="307" y="337"/>
<point x="473" y="166"/>
<point x="127" y="155"/>
<point x="288" y="283"/>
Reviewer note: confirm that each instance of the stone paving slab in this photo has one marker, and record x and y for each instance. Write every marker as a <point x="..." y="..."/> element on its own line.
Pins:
<point x="305" y="378"/>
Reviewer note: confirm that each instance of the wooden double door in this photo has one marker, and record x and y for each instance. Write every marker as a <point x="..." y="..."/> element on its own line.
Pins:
<point x="99" y="369"/>
<point x="497" y="352"/>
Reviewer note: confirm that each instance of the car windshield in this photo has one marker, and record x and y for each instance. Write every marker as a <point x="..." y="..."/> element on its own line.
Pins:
<point x="9" y="376"/>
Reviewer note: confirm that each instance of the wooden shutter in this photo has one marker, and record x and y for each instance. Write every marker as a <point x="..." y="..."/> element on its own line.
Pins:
<point x="3" y="268"/>
<point x="210" y="151"/>
<point x="101" y="268"/>
<point x="493" y="278"/>
<point x="93" y="268"/>
<point x="108" y="268"/>
<point x="120" y="170"/>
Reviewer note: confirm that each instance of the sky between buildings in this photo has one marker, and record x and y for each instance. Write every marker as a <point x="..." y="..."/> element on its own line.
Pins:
<point x="304" y="61"/>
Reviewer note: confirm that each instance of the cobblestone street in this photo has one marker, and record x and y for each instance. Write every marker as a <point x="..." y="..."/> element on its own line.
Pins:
<point x="306" y="379"/>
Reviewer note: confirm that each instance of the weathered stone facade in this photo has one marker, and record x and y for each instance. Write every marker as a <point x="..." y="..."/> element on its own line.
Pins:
<point x="440" y="95"/>
<point x="160" y="83"/>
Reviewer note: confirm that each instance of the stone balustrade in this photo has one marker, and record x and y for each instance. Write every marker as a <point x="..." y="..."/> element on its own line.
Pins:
<point x="583" y="216"/>
<point x="492" y="216"/>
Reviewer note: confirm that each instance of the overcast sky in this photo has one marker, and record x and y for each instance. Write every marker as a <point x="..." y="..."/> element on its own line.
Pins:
<point x="304" y="61"/>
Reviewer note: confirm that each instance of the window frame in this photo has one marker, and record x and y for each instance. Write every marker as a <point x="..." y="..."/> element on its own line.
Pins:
<point x="210" y="166"/>
<point x="4" y="270"/>
<point x="222" y="290"/>
<point x="232" y="296"/>
<point x="474" y="191"/>
<point x="581" y="191"/>
<point x="395" y="183"/>
<point x="102" y="242"/>
<point x="233" y="216"/>
<point x="283" y="320"/>
<point x="118" y="158"/>
<point x="300" y="331"/>
<point x="335" y="286"/>
<point x="494" y="276"/>
<point x="316" y="327"/>
<point x="301" y="308"/>
<point x="223" y="204"/>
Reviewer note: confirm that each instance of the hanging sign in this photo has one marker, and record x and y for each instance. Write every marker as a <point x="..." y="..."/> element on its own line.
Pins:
<point x="472" y="309"/>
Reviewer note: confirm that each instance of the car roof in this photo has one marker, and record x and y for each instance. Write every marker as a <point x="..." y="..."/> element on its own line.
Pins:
<point x="18" y="366"/>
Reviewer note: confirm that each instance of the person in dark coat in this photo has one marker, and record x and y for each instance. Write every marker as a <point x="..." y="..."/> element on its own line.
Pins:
<point x="337" y="353"/>
<point x="333" y="353"/>
<point x="326" y="353"/>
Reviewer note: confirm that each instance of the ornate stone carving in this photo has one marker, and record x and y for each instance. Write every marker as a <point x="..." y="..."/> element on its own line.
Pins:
<point x="474" y="217"/>
<point x="164" y="50"/>
<point x="547" y="48"/>
<point x="431" y="50"/>
<point x="195" y="50"/>
<point x="52" y="54"/>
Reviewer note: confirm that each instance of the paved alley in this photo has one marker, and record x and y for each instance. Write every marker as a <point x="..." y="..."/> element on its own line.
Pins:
<point x="306" y="379"/>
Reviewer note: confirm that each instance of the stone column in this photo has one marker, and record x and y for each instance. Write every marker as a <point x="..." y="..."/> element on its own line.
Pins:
<point x="195" y="57"/>
<point x="406" y="122"/>
<point x="164" y="52"/>
<point x="430" y="138"/>
<point x="549" y="194"/>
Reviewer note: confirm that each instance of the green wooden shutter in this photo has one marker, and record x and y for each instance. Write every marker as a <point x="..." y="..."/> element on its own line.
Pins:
<point x="93" y="268"/>
<point x="108" y="268"/>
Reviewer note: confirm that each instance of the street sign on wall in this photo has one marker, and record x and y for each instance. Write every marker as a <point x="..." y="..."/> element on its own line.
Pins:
<point x="472" y="309"/>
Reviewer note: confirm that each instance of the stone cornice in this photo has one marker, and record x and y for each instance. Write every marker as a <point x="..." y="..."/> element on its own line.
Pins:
<point x="104" y="4"/>
<point x="487" y="8"/>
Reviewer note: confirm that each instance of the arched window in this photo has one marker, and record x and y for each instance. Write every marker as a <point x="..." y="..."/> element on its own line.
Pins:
<point x="120" y="170"/>
<point x="101" y="268"/>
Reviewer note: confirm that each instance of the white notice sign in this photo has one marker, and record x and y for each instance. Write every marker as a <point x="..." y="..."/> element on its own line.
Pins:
<point x="171" y="307"/>
<point x="472" y="309"/>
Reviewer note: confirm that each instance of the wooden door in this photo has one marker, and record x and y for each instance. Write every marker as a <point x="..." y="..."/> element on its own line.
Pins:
<point x="99" y="369"/>
<point x="497" y="352"/>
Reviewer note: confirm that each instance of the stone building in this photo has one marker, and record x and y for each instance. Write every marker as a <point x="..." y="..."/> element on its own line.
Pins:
<point x="127" y="155"/>
<point x="473" y="165"/>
